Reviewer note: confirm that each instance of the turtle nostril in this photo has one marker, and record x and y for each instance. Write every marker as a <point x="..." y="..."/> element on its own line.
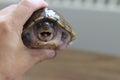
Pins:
<point x="45" y="27"/>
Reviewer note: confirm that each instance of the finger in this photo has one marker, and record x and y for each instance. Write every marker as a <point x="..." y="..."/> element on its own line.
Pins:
<point x="24" y="10"/>
<point x="7" y="10"/>
<point x="42" y="54"/>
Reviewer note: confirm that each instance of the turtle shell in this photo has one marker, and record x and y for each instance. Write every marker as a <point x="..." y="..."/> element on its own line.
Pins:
<point x="46" y="13"/>
<point x="40" y="16"/>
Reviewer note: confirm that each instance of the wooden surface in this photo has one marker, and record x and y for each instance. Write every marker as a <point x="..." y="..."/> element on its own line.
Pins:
<point x="77" y="65"/>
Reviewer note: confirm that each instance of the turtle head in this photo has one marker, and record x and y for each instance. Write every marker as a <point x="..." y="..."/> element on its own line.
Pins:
<point x="45" y="31"/>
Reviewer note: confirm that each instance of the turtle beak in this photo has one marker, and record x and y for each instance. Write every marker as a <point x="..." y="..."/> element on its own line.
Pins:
<point x="45" y="35"/>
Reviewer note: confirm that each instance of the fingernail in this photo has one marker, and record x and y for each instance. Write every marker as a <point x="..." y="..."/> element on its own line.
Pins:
<point x="51" y="54"/>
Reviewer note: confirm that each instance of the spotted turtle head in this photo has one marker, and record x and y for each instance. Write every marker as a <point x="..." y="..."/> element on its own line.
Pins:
<point x="46" y="28"/>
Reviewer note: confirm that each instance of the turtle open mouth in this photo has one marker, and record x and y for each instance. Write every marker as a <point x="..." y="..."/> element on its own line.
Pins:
<point x="45" y="34"/>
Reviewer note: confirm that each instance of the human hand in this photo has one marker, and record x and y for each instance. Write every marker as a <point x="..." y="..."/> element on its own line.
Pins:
<point x="15" y="58"/>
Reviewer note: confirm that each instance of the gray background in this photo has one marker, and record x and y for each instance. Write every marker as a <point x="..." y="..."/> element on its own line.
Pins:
<point x="96" y="30"/>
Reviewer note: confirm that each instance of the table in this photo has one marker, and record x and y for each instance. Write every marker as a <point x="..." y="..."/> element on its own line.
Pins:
<point x="77" y="65"/>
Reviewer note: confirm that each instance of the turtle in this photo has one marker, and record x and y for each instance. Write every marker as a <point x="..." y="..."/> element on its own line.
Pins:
<point x="47" y="29"/>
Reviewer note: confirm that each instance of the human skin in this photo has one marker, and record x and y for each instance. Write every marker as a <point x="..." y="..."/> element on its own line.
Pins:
<point x="15" y="58"/>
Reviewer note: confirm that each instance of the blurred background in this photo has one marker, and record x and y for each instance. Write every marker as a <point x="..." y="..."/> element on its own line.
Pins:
<point x="94" y="55"/>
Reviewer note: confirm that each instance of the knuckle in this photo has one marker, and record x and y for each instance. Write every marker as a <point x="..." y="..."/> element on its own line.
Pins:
<point x="13" y="6"/>
<point x="4" y="26"/>
<point x="34" y="4"/>
<point x="28" y="3"/>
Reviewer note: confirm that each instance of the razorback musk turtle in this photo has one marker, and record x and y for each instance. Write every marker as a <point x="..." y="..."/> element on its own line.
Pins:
<point x="46" y="28"/>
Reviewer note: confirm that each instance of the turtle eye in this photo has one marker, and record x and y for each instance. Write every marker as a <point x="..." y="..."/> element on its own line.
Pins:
<point x="64" y="36"/>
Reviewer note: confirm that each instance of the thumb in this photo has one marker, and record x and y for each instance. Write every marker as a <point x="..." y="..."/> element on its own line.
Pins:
<point x="41" y="54"/>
